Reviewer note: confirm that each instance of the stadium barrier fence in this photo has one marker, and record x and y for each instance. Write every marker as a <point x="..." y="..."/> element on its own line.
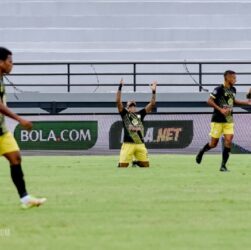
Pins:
<point x="102" y="134"/>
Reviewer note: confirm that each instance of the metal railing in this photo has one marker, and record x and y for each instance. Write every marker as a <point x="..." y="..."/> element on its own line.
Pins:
<point x="67" y="73"/>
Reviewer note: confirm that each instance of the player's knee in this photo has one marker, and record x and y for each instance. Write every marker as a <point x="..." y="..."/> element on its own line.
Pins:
<point x="228" y="143"/>
<point x="123" y="165"/>
<point x="213" y="144"/>
<point x="15" y="160"/>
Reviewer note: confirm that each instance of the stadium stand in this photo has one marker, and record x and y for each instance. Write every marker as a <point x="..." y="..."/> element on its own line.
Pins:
<point x="123" y="31"/>
<point x="126" y="30"/>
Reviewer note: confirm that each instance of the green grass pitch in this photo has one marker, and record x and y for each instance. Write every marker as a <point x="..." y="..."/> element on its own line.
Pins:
<point x="93" y="205"/>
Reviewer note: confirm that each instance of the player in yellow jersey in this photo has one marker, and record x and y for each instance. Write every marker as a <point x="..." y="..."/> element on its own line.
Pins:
<point x="8" y="145"/>
<point x="133" y="146"/>
<point x="222" y="99"/>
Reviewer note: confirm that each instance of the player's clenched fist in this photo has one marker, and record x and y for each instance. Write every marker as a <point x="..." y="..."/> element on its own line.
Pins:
<point x="153" y="85"/>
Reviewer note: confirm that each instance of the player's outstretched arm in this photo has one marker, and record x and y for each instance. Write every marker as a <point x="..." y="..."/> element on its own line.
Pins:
<point x="240" y="102"/>
<point x="7" y="112"/>
<point x="152" y="103"/>
<point x="246" y="102"/>
<point x="118" y="96"/>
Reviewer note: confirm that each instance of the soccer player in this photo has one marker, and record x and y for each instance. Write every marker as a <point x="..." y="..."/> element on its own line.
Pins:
<point x="134" y="146"/>
<point x="222" y="99"/>
<point x="8" y="145"/>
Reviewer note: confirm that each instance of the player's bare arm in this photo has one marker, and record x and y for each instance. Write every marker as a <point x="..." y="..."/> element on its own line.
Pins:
<point x="118" y="96"/>
<point x="6" y="111"/>
<point x="246" y="102"/>
<point x="152" y="103"/>
<point x="211" y="103"/>
<point x="240" y="102"/>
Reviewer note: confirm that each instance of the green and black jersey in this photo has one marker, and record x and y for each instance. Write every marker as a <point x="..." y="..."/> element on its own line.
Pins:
<point x="224" y="98"/>
<point x="133" y="126"/>
<point x="3" y="127"/>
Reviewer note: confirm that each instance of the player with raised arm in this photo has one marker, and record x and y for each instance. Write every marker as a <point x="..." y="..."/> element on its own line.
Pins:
<point x="133" y="146"/>
<point x="222" y="99"/>
<point x="8" y="145"/>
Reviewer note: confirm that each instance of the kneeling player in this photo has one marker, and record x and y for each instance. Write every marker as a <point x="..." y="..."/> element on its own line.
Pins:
<point x="134" y="146"/>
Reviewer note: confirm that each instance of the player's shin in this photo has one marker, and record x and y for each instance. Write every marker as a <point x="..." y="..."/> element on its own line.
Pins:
<point x="18" y="179"/>
<point x="225" y="155"/>
<point x="201" y="153"/>
<point x="206" y="148"/>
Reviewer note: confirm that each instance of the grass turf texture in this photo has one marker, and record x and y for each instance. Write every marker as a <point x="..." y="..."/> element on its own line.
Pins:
<point x="93" y="205"/>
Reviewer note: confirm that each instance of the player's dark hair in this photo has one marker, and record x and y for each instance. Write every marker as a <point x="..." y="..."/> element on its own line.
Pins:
<point x="229" y="72"/>
<point x="4" y="53"/>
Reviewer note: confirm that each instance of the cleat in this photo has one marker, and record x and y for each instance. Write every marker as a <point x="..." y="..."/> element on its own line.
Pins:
<point x="199" y="157"/>
<point x="134" y="164"/>
<point x="33" y="202"/>
<point x="223" y="168"/>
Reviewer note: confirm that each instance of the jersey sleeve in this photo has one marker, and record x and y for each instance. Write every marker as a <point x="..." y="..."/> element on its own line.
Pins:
<point x="142" y="113"/>
<point x="123" y="112"/>
<point x="235" y="91"/>
<point x="216" y="93"/>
